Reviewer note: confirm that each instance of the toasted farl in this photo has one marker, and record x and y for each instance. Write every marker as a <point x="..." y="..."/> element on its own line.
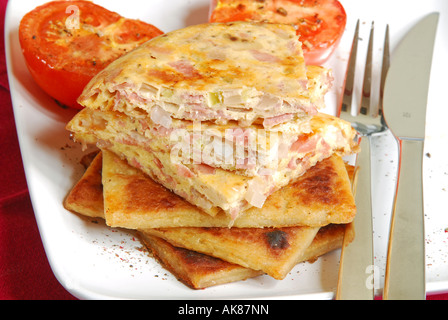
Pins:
<point x="274" y="251"/>
<point x="200" y="271"/>
<point x="86" y="196"/>
<point x="324" y="187"/>
<point x="329" y="238"/>
<point x="194" y="269"/>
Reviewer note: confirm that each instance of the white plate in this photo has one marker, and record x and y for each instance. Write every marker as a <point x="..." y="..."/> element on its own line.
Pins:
<point x="94" y="262"/>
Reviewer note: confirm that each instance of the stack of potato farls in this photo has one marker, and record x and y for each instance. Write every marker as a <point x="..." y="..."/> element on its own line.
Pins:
<point x="214" y="150"/>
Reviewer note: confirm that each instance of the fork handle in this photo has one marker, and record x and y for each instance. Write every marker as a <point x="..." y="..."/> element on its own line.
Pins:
<point x="405" y="267"/>
<point x="357" y="257"/>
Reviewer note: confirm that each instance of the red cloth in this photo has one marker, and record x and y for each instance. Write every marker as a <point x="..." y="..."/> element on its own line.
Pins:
<point x="25" y="273"/>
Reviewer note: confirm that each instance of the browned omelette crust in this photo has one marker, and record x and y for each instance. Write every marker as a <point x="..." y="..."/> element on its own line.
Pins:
<point x="205" y="63"/>
<point x="86" y="197"/>
<point x="320" y="197"/>
<point x="188" y="44"/>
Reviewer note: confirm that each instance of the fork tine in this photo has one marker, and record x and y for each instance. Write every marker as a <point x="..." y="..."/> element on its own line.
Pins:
<point x="350" y="74"/>
<point x="384" y="68"/>
<point x="367" y="82"/>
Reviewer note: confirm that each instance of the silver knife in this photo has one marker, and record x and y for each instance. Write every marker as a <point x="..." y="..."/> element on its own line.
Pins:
<point x="405" y="100"/>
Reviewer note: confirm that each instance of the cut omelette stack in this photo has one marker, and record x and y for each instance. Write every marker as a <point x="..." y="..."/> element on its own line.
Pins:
<point x="212" y="141"/>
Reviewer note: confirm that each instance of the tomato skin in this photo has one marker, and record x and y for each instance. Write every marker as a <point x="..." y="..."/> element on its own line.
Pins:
<point x="63" y="60"/>
<point x="62" y="85"/>
<point x="319" y="23"/>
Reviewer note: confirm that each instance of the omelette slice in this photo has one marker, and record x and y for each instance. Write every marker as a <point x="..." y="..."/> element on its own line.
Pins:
<point x="323" y="195"/>
<point x="242" y="71"/>
<point x="216" y="189"/>
<point x="250" y="151"/>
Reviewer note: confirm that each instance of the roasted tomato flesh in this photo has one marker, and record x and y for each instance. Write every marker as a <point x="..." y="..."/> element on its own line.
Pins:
<point x="319" y="23"/>
<point x="66" y="43"/>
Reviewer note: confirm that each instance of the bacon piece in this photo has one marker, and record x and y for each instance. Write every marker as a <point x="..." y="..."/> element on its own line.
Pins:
<point x="264" y="56"/>
<point x="293" y="164"/>
<point x="271" y="122"/>
<point x="304" y="144"/>
<point x="184" y="67"/>
<point x="183" y="171"/>
<point x="135" y="163"/>
<point x="205" y="169"/>
<point x="158" y="163"/>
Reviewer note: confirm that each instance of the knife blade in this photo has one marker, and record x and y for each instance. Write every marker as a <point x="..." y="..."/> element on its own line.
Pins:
<point x="405" y="100"/>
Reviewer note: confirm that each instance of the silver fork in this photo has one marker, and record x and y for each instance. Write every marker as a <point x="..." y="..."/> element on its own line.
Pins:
<point x="355" y="279"/>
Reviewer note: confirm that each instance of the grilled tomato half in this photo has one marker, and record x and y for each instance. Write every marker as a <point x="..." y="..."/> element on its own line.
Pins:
<point x="319" y="23"/>
<point x="66" y="43"/>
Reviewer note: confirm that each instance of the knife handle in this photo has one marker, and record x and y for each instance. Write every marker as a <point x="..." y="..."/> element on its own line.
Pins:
<point x="405" y="267"/>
